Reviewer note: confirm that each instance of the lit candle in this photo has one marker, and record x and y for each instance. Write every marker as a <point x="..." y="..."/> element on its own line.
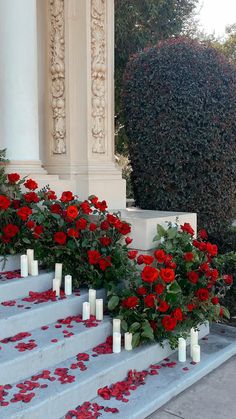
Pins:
<point x="99" y="309"/>
<point x="116" y="342"/>
<point x="92" y="301"/>
<point x="116" y="325"/>
<point x="68" y="284"/>
<point x="56" y="286"/>
<point x="128" y="341"/>
<point x="86" y="311"/>
<point x="34" y="268"/>
<point x="58" y="271"/>
<point x="182" y="350"/>
<point x="196" y="353"/>
<point x="30" y="257"/>
<point x="193" y="339"/>
<point x="24" y="265"/>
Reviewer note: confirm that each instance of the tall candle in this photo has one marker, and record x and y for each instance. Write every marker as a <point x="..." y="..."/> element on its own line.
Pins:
<point x="99" y="309"/>
<point x="92" y="301"/>
<point x="193" y="339"/>
<point x="196" y="353"/>
<point x="116" y="342"/>
<point x="128" y="341"/>
<point x="30" y="257"/>
<point x="24" y="265"/>
<point x="116" y="325"/>
<point x="58" y="271"/>
<point x="86" y="311"/>
<point x="34" y="268"/>
<point x="68" y="284"/>
<point x="56" y="286"/>
<point x="182" y="350"/>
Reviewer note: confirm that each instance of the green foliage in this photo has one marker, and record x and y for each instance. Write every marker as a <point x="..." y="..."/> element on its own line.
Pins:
<point x="180" y="105"/>
<point x="3" y="162"/>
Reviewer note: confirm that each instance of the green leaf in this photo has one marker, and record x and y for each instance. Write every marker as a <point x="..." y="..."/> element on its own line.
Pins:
<point x="25" y="240"/>
<point x="148" y="332"/>
<point x="124" y="325"/>
<point x="160" y="230"/>
<point x="172" y="232"/>
<point x="226" y="313"/>
<point x="134" y="327"/>
<point x="135" y="340"/>
<point x="174" y="288"/>
<point x="113" y="302"/>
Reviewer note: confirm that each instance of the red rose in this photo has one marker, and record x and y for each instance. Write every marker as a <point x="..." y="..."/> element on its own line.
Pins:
<point x="169" y="323"/>
<point x="24" y="213"/>
<point x="221" y="313"/>
<point x="149" y="274"/>
<point x="215" y="300"/>
<point x="163" y="306"/>
<point x="124" y="229"/>
<point x="153" y="325"/>
<point x="159" y="289"/>
<point x="105" y="241"/>
<point x="160" y="256"/>
<point x="211" y="249"/>
<point x="128" y="240"/>
<point x="204" y="267"/>
<point x="67" y="196"/>
<point x="60" y="237"/>
<point x="191" y="307"/>
<point x="72" y="211"/>
<point x="81" y="224"/>
<point x="16" y="203"/>
<point x="31" y="184"/>
<point x="30" y="224"/>
<point x="31" y="197"/>
<point x="141" y="291"/>
<point x="147" y="259"/>
<point x="92" y="227"/>
<point x="178" y="314"/>
<point x="203" y="234"/>
<point x="38" y="231"/>
<point x="188" y="257"/>
<point x="228" y="279"/>
<point x="140" y="260"/>
<point x="130" y="302"/>
<point x="101" y="205"/>
<point x="213" y="274"/>
<point x="13" y="177"/>
<point x="105" y="225"/>
<point x="202" y="294"/>
<point x="73" y="233"/>
<point x="193" y="277"/>
<point x="55" y="209"/>
<point x="104" y="263"/>
<point x="4" y="202"/>
<point x="132" y="254"/>
<point x="187" y="228"/>
<point x="86" y="207"/>
<point x="94" y="200"/>
<point x="167" y="274"/>
<point x="149" y="300"/>
<point x="10" y="230"/>
<point x="93" y="257"/>
<point x="50" y="195"/>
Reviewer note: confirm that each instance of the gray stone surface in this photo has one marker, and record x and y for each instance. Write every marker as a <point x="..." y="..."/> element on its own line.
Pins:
<point x="9" y="263"/>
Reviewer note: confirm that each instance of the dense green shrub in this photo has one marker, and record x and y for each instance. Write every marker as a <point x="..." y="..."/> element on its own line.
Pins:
<point x="180" y="106"/>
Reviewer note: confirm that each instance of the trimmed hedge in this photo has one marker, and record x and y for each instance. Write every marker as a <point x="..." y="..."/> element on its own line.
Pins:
<point x="180" y="106"/>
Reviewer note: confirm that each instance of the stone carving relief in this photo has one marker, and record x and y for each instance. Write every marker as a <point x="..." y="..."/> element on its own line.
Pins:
<point x="98" y="74"/>
<point x="57" y="71"/>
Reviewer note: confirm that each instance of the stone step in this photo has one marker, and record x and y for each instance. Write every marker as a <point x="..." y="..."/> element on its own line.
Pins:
<point x="159" y="389"/>
<point x="24" y="316"/>
<point x="9" y="263"/>
<point x="56" y="399"/>
<point x="55" y="341"/>
<point x="19" y="287"/>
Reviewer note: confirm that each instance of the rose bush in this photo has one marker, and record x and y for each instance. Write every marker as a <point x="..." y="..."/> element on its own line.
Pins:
<point x="181" y="289"/>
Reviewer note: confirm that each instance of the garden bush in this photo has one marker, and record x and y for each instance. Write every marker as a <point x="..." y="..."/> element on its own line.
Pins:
<point x="180" y="105"/>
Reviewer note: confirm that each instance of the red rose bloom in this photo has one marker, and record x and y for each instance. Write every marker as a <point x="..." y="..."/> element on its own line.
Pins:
<point x="73" y="233"/>
<point x="86" y="207"/>
<point x="213" y="274"/>
<point x="202" y="246"/>
<point x="228" y="279"/>
<point x="169" y="323"/>
<point x="55" y="209"/>
<point x="130" y="302"/>
<point x="149" y="274"/>
<point x="50" y="195"/>
<point x="13" y="177"/>
<point x="30" y="224"/>
<point x="140" y="260"/>
<point x="105" y="241"/>
<point x="93" y="257"/>
<point x="60" y="237"/>
<point x="24" y="213"/>
<point x="215" y="300"/>
<point x="163" y="306"/>
<point x="102" y="206"/>
<point x="167" y="274"/>
<point x="38" y="231"/>
<point x="188" y="257"/>
<point x="31" y="197"/>
<point x="105" y="226"/>
<point x="92" y="227"/>
<point x="191" y="307"/>
<point x="204" y="267"/>
<point x="193" y="277"/>
<point x="67" y="196"/>
<point x="178" y="314"/>
<point x="141" y="291"/>
<point x="187" y="228"/>
<point x="72" y="211"/>
<point x="203" y="234"/>
<point x="160" y="256"/>
<point x="132" y="254"/>
<point x="16" y="203"/>
<point x="4" y="202"/>
<point x="10" y="230"/>
<point x="149" y="300"/>
<point x="211" y="249"/>
<point x="147" y="259"/>
<point x="202" y="294"/>
<point x="31" y="184"/>
<point x="104" y="263"/>
<point x="159" y="289"/>
<point x="153" y="325"/>
<point x="124" y="229"/>
<point x="81" y="224"/>
<point x="128" y="240"/>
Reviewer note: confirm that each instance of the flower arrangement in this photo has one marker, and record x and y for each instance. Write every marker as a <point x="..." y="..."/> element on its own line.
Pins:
<point x="178" y="288"/>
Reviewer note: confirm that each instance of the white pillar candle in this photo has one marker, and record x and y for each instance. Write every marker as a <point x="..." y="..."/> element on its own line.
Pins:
<point x="116" y="342"/>
<point x="58" y="271"/>
<point x="34" y="268"/>
<point x="182" y="350"/>
<point x="128" y="341"/>
<point x="56" y="286"/>
<point x="196" y="353"/>
<point x="24" y="265"/>
<point x="86" y="311"/>
<point x="116" y="325"/>
<point x="193" y="339"/>
<point x="30" y="257"/>
<point x="92" y="301"/>
<point x="68" y="284"/>
<point x="99" y="309"/>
